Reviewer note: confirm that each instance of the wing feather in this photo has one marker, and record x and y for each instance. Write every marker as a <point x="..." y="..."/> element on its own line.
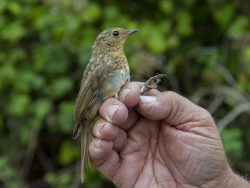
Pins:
<point x="90" y="86"/>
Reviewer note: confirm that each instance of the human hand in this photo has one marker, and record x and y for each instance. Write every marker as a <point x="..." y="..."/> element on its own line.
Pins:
<point x="163" y="140"/>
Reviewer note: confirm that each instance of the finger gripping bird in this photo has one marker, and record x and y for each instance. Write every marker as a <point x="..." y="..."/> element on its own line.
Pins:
<point x="105" y="74"/>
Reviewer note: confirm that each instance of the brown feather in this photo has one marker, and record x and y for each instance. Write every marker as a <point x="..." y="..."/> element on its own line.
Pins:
<point x="103" y="77"/>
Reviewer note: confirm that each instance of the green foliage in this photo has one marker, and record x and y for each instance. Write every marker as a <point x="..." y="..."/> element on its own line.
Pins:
<point x="232" y="140"/>
<point x="62" y="180"/>
<point x="7" y="173"/>
<point x="223" y="14"/>
<point x="68" y="153"/>
<point x="46" y="44"/>
<point x="238" y="28"/>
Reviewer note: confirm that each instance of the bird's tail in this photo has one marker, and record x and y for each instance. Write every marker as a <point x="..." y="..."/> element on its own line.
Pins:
<point x="85" y="141"/>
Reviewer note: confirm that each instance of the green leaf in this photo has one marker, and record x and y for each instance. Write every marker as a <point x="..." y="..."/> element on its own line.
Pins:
<point x="91" y="13"/>
<point x="50" y="178"/>
<point x="64" y="180"/>
<point x="41" y="108"/>
<point x="224" y="14"/>
<point x="238" y="27"/>
<point x="6" y="170"/>
<point x="246" y="59"/>
<point x="184" y="23"/>
<point x="50" y="58"/>
<point x="7" y="74"/>
<point x="246" y="54"/>
<point x="14" y="7"/>
<point x="172" y="42"/>
<point x="58" y="180"/>
<point x="154" y="37"/>
<point x="43" y="18"/>
<point x="68" y="153"/>
<point x="19" y="104"/>
<point x="13" y="31"/>
<point x="232" y="139"/>
<point x="166" y="6"/>
<point x="65" y="117"/>
<point x="59" y="87"/>
<point x="3" y="5"/>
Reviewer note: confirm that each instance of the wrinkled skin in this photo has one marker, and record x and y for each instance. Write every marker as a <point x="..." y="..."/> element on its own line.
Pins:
<point x="161" y="141"/>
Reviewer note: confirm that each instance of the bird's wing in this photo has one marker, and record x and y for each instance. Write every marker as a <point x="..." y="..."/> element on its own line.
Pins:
<point x="91" y="65"/>
<point x="93" y="78"/>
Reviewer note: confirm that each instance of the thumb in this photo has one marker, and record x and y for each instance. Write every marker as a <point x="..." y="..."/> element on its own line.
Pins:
<point x="171" y="107"/>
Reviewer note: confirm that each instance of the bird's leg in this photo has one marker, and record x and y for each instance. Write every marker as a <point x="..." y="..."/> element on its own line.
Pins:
<point x="151" y="83"/>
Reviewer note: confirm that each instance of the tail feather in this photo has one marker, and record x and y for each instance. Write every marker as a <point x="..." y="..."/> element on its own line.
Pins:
<point x="85" y="141"/>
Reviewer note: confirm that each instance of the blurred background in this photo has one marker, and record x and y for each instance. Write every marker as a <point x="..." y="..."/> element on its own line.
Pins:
<point x="202" y="46"/>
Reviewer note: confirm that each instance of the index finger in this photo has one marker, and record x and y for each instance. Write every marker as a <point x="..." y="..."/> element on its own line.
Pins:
<point x="130" y="94"/>
<point x="173" y="108"/>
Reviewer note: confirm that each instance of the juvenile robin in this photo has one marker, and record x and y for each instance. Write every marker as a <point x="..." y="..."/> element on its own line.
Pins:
<point x="105" y="74"/>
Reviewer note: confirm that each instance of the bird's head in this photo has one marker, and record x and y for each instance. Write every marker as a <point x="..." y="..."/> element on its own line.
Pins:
<point x="113" y="39"/>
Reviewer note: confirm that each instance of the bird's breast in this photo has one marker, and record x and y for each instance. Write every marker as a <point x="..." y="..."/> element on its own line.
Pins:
<point x="114" y="81"/>
<point x="120" y="60"/>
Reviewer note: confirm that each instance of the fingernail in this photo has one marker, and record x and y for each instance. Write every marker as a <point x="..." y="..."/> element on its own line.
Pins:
<point x="147" y="99"/>
<point x="111" y="111"/>
<point x="100" y="127"/>
<point x="124" y="94"/>
<point x="97" y="143"/>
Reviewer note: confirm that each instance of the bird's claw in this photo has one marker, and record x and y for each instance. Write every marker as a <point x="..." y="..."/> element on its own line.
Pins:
<point x="151" y="83"/>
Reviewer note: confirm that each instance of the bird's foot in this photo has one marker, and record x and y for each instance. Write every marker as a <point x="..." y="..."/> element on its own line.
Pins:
<point x="152" y="83"/>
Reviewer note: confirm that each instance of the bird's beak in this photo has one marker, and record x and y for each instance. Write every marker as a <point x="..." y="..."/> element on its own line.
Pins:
<point x="130" y="32"/>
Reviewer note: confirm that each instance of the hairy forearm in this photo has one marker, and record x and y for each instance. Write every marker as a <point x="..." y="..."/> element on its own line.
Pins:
<point x="233" y="180"/>
<point x="238" y="182"/>
<point x="228" y="180"/>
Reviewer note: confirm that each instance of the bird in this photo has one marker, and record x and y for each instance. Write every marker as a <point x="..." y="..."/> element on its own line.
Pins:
<point x="104" y="76"/>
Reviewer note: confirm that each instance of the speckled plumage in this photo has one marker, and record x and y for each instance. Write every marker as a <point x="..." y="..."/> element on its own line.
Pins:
<point x="103" y="77"/>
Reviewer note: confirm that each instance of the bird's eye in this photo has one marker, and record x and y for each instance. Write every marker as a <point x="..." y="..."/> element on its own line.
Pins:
<point x="115" y="33"/>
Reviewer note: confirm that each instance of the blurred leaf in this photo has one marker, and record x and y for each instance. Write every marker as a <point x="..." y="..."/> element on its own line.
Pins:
<point x="3" y="5"/>
<point x="238" y="27"/>
<point x="50" y="58"/>
<point x="43" y="17"/>
<point x="41" y="108"/>
<point x="64" y="179"/>
<point x="14" y="7"/>
<point x="13" y="31"/>
<point x="12" y="184"/>
<point x="6" y="170"/>
<point x="232" y="139"/>
<point x="68" y="153"/>
<point x="1" y="124"/>
<point x="246" y="54"/>
<point x="184" y="23"/>
<point x="24" y="81"/>
<point x="19" y="104"/>
<point x="7" y="74"/>
<point x="166" y="6"/>
<point x="223" y="14"/>
<point x="50" y="178"/>
<point x="65" y="116"/>
<point x="92" y="175"/>
<point x="91" y="13"/>
<point x="111" y="14"/>
<point x="189" y="2"/>
<point x="59" y="87"/>
<point x="58" y="180"/>
<point x="172" y="42"/>
<point x="155" y="37"/>
<point x="246" y="59"/>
